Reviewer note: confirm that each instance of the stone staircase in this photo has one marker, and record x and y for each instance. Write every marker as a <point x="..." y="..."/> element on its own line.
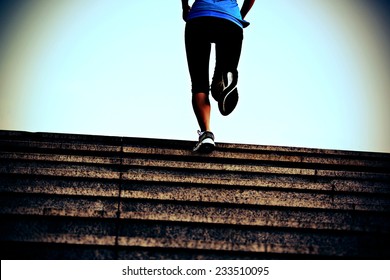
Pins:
<point x="95" y="197"/>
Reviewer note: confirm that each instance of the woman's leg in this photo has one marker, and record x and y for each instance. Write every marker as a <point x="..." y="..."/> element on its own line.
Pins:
<point x="198" y="50"/>
<point x="228" y="45"/>
<point x="202" y="110"/>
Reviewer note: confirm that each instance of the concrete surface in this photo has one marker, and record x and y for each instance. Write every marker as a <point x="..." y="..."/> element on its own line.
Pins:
<point x="69" y="196"/>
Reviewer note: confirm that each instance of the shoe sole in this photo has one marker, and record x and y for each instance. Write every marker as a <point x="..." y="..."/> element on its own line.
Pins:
<point x="229" y="97"/>
<point x="228" y="101"/>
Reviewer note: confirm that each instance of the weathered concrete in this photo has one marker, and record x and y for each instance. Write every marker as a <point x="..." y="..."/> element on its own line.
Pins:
<point x="95" y="197"/>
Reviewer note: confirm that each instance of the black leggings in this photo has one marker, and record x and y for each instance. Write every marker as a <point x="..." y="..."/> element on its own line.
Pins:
<point x="199" y="34"/>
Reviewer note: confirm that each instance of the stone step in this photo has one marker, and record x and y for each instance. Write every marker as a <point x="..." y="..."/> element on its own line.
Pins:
<point x="152" y="148"/>
<point x="101" y="197"/>
<point x="210" y="173"/>
<point x="253" y="167"/>
<point x="192" y="192"/>
<point x="137" y="234"/>
<point x="199" y="212"/>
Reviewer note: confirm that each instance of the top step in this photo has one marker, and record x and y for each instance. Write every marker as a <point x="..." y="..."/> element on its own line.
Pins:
<point x="17" y="141"/>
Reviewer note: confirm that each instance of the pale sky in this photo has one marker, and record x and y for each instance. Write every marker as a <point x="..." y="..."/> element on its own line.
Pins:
<point x="313" y="73"/>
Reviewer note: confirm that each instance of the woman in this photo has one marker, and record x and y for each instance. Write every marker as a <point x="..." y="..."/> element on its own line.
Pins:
<point x="220" y="22"/>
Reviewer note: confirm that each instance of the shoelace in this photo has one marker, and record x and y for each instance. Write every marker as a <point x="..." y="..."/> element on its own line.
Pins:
<point x="200" y="133"/>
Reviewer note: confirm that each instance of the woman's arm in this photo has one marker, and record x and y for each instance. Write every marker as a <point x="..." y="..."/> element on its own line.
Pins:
<point x="186" y="9"/>
<point x="246" y="6"/>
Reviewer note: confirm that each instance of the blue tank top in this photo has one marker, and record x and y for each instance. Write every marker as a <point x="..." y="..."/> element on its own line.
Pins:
<point x="227" y="9"/>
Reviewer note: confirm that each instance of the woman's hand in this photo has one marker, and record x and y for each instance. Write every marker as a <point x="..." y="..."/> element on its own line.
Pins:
<point x="186" y="10"/>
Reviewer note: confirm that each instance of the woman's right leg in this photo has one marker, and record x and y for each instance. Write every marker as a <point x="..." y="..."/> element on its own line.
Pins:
<point x="228" y="45"/>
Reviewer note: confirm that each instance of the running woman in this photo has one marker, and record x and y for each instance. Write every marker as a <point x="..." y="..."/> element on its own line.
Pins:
<point x="220" y="22"/>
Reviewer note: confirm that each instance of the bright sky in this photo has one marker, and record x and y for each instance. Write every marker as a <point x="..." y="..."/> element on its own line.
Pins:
<point x="313" y="73"/>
